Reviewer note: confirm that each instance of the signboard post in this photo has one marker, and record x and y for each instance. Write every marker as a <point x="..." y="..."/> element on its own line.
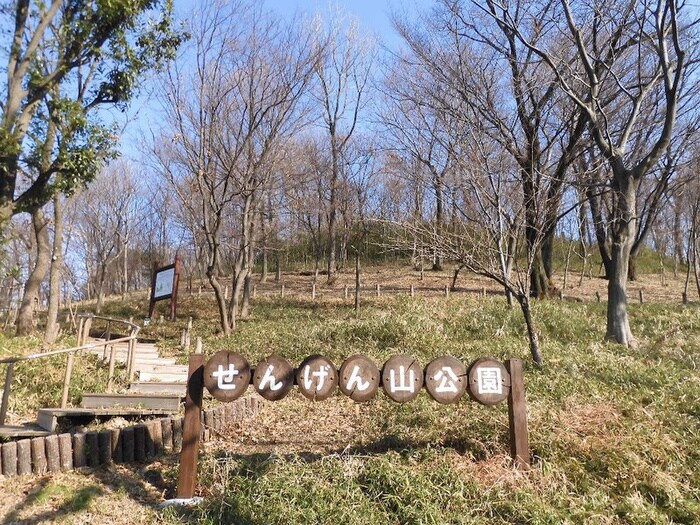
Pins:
<point x="164" y="286"/>
<point x="227" y="375"/>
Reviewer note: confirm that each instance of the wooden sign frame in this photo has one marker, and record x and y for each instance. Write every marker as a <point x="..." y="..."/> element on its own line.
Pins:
<point x="513" y="384"/>
<point x="170" y="292"/>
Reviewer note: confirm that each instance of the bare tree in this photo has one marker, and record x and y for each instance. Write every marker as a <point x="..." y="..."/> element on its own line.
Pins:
<point x="477" y="70"/>
<point x="626" y="53"/>
<point x="104" y="215"/>
<point x="230" y="116"/>
<point x="343" y="80"/>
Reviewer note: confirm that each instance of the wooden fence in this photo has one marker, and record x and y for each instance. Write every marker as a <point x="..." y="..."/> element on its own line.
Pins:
<point x="135" y="444"/>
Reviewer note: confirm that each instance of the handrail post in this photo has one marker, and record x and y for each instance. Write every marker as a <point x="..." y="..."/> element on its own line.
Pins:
<point x="81" y="324"/>
<point x="132" y="359"/>
<point x="110" y="377"/>
<point x="66" y="380"/>
<point x="6" y="392"/>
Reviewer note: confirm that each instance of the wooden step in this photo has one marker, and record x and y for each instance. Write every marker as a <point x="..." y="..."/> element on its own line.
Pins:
<point x="48" y="418"/>
<point x="163" y="369"/>
<point x="149" y="401"/>
<point x="155" y="361"/>
<point x="162" y="377"/>
<point x="27" y="430"/>
<point x="145" y="387"/>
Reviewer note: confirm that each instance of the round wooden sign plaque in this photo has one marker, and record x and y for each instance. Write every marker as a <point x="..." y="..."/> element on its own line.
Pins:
<point x="402" y="378"/>
<point x="489" y="381"/>
<point x="359" y="378"/>
<point x="446" y="379"/>
<point x="273" y="378"/>
<point x="317" y="378"/>
<point x="226" y="375"/>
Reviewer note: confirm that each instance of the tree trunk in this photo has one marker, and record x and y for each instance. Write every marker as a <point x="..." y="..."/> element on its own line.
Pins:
<point x="623" y="232"/>
<point x="101" y="290"/>
<point x="599" y="226"/>
<point x="30" y="297"/>
<point x="632" y="266"/>
<point x="332" y="210"/>
<point x="52" y="326"/>
<point x="439" y="219"/>
<point x="532" y="335"/>
<point x="219" y="296"/>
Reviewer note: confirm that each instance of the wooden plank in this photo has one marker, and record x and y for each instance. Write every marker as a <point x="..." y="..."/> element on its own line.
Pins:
<point x="79" y="459"/>
<point x="24" y="457"/>
<point x="178" y="388"/>
<point x="166" y="427"/>
<point x="137" y="401"/>
<point x="104" y="443"/>
<point x="39" y="463"/>
<point x="116" y="443"/>
<point x="517" y="415"/>
<point x="65" y="450"/>
<point x="187" y="479"/>
<point x="92" y="449"/>
<point x="9" y="458"/>
<point x="140" y="444"/>
<point x="53" y="455"/>
<point x="46" y="420"/>
<point x="26" y="430"/>
<point x="49" y="417"/>
<point x="164" y="369"/>
<point x="162" y="377"/>
<point x="128" y="444"/>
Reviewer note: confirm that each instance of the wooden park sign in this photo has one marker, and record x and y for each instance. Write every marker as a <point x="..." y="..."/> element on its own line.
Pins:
<point x="227" y="375"/>
<point x="164" y="286"/>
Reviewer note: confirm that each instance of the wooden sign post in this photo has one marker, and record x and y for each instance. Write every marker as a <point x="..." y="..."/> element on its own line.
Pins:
<point x="227" y="375"/>
<point x="187" y="480"/>
<point x="164" y="286"/>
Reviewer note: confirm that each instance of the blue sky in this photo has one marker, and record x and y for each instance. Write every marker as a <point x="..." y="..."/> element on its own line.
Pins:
<point x="373" y="16"/>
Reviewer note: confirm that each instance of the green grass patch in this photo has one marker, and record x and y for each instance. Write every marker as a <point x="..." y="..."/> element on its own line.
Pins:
<point x="614" y="431"/>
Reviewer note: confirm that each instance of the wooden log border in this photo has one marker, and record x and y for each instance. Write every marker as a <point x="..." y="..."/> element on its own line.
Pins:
<point x="140" y="443"/>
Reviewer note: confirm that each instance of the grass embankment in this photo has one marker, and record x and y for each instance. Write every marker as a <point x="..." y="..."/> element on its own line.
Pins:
<point x="614" y="432"/>
<point x="38" y="383"/>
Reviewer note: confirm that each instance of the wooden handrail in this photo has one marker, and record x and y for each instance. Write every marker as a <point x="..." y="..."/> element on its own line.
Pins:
<point x="10" y="361"/>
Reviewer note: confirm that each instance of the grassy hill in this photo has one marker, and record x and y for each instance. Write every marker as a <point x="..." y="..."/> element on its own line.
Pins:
<point x="614" y="432"/>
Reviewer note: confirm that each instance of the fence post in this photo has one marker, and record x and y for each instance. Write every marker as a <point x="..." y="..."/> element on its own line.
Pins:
<point x="110" y="377"/>
<point x="517" y="415"/>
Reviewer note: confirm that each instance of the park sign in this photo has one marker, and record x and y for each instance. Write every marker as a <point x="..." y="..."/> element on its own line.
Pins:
<point x="227" y="376"/>
<point x="164" y="285"/>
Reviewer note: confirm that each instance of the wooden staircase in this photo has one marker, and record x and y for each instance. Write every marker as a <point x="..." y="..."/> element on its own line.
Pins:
<point x="158" y="390"/>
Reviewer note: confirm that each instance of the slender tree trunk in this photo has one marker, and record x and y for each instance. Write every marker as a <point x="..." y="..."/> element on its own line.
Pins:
<point x="332" y="210"/>
<point x="439" y="218"/>
<point x="677" y="238"/>
<point x="623" y="231"/>
<point x="101" y="289"/>
<point x="599" y="225"/>
<point x="30" y="297"/>
<point x="125" y="271"/>
<point x="532" y="335"/>
<point x="52" y="326"/>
